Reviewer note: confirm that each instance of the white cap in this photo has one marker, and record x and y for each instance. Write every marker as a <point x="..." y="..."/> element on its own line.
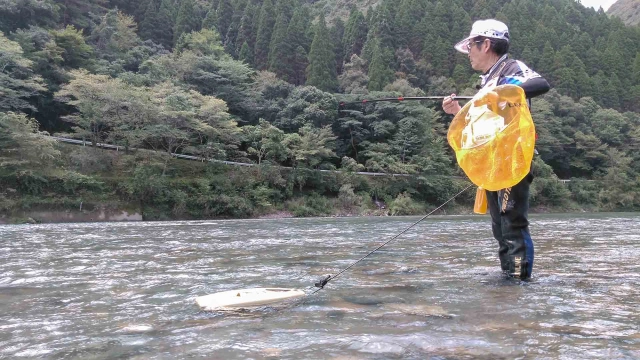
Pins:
<point x="488" y="28"/>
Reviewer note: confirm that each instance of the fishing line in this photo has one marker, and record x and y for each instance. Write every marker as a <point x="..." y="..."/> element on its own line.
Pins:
<point x="320" y="284"/>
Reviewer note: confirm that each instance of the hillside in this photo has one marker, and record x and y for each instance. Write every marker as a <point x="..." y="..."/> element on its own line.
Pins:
<point x="627" y="10"/>
<point x="334" y="9"/>
<point x="260" y="81"/>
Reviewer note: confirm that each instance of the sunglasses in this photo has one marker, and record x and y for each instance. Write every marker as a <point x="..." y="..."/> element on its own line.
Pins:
<point x="470" y="44"/>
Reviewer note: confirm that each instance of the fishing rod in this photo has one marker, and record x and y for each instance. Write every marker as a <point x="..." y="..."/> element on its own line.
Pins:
<point x="402" y="98"/>
<point x="321" y="284"/>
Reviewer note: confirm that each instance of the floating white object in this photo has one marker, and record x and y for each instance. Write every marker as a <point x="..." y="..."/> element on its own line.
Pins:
<point x="246" y="298"/>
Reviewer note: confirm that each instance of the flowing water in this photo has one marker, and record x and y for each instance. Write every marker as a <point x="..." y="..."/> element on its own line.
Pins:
<point x="127" y="290"/>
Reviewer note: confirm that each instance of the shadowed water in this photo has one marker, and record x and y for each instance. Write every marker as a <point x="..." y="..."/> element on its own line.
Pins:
<point x="127" y="290"/>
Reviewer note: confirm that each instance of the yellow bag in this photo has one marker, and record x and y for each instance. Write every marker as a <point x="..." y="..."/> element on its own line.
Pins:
<point x="493" y="137"/>
<point x="480" y="205"/>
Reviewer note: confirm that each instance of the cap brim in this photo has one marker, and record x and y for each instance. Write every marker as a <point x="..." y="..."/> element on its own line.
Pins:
<point x="461" y="46"/>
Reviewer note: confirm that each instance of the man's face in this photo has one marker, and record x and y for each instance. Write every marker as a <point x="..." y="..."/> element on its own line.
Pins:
<point x="479" y="54"/>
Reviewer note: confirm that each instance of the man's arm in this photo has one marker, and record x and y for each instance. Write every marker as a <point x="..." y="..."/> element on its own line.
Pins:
<point x="517" y="73"/>
<point x="535" y="87"/>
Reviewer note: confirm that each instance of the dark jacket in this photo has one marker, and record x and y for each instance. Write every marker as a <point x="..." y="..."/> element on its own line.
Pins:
<point x="517" y="73"/>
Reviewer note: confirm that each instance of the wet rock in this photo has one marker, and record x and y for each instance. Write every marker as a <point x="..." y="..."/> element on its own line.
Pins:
<point x="420" y="310"/>
<point x="346" y="306"/>
<point x="371" y="300"/>
<point x="335" y="314"/>
<point x="378" y="347"/>
<point x="136" y="329"/>
<point x="272" y="352"/>
<point x="391" y="271"/>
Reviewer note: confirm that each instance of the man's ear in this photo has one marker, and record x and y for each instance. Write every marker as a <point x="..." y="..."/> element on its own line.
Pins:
<point x="486" y="46"/>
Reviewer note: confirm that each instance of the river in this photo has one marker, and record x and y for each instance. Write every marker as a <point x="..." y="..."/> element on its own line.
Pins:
<point x="127" y="290"/>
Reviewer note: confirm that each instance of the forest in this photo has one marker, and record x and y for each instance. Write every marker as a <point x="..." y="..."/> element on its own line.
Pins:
<point x="260" y="82"/>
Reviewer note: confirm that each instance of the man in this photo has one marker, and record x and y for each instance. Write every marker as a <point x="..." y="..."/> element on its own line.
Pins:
<point x="487" y="46"/>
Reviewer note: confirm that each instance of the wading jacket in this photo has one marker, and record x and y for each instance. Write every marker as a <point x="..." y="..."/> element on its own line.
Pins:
<point x="515" y="72"/>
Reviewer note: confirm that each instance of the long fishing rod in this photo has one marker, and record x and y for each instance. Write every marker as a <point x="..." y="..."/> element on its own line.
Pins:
<point x="320" y="284"/>
<point x="402" y="98"/>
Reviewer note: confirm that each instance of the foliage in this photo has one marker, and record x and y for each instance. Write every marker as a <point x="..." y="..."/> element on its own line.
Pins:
<point x="265" y="142"/>
<point x="18" y="83"/>
<point x="23" y="14"/>
<point x="404" y="205"/>
<point x="22" y="144"/>
<point x="311" y="147"/>
<point x="313" y="205"/>
<point x="165" y="117"/>
<point x="321" y="71"/>
<point x="186" y="76"/>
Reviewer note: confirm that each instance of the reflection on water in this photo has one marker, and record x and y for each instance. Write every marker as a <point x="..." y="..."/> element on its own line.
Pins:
<point x="98" y="291"/>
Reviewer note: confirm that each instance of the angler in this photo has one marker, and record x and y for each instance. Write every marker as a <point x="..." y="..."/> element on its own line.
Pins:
<point x="487" y="47"/>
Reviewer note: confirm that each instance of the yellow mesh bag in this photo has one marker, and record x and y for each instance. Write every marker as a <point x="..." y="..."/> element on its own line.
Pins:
<point x="493" y="137"/>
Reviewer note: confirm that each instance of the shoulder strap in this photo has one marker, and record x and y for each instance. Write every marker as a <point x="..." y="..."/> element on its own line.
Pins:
<point x="497" y="73"/>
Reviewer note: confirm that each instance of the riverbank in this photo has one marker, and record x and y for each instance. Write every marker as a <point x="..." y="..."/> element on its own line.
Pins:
<point x="130" y="214"/>
<point x="89" y="185"/>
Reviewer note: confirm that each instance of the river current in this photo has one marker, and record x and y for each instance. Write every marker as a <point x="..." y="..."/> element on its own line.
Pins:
<point x="127" y="290"/>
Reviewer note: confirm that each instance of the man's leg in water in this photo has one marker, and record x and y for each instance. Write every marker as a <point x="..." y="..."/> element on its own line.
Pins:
<point x="509" y="212"/>
<point x="496" y="228"/>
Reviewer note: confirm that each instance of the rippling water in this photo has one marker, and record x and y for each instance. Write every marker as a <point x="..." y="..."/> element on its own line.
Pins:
<point x="127" y="290"/>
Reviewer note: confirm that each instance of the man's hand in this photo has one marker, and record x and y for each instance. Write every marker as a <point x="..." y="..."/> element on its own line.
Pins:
<point x="451" y="106"/>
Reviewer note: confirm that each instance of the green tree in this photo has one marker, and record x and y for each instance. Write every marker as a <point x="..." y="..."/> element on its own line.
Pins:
<point x="75" y="51"/>
<point x="311" y="147"/>
<point x="157" y="25"/>
<point x="231" y="34"/>
<point x="22" y="144"/>
<point x="279" y="49"/>
<point x="299" y="66"/>
<point x="210" y="20"/>
<point x="298" y="45"/>
<point x="355" y="34"/>
<point x="23" y="14"/>
<point x="354" y="78"/>
<point x="337" y="33"/>
<point x="183" y="116"/>
<point x="306" y="105"/>
<point x="46" y="56"/>
<point x="205" y="42"/>
<point x="78" y="12"/>
<point x="266" y="142"/>
<point x="188" y="19"/>
<point x="107" y="108"/>
<point x="379" y="72"/>
<point x="247" y="30"/>
<point x="266" y="22"/>
<point x="545" y="64"/>
<point x="321" y="71"/>
<point x="18" y="83"/>
<point x="635" y="72"/>
<point x="224" y="16"/>
<point x="115" y="35"/>
<point x="379" y="159"/>
<point x="164" y="117"/>
<point x="246" y="55"/>
<point x="200" y="63"/>
<point x="409" y="139"/>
